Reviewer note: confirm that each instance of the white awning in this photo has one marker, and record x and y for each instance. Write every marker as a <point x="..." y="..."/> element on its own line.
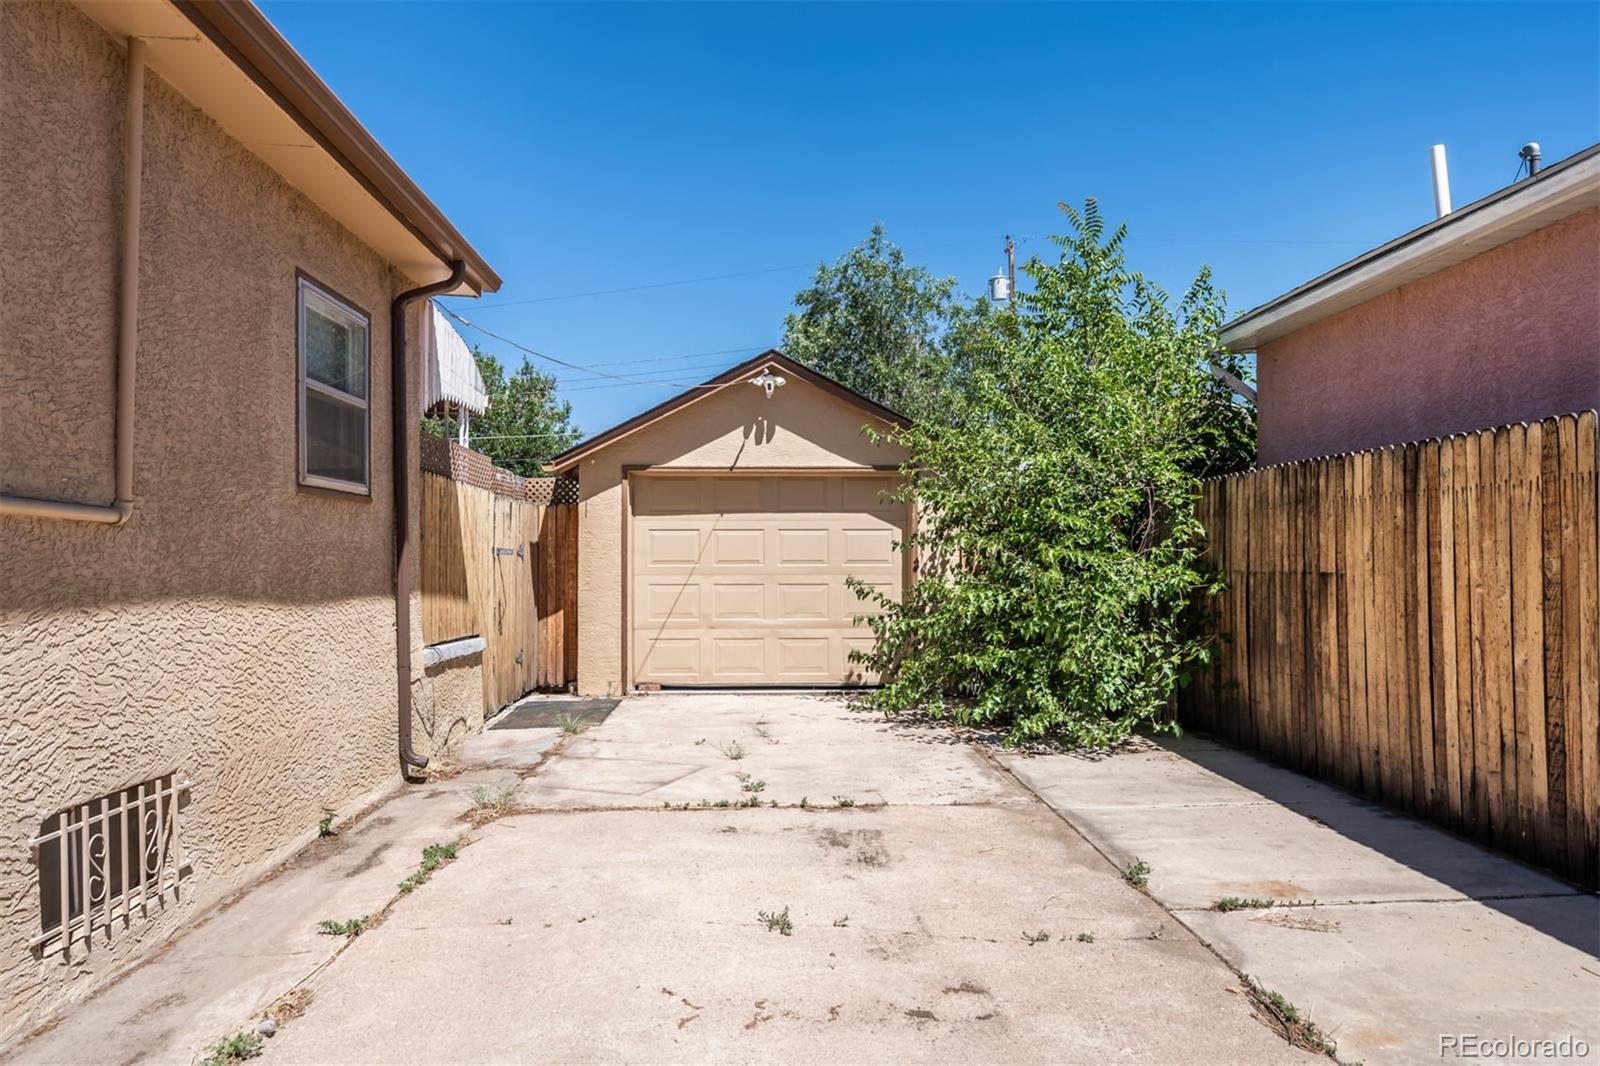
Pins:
<point x="449" y="373"/>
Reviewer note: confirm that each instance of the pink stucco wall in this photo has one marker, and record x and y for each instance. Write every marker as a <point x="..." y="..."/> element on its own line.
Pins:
<point x="1507" y="336"/>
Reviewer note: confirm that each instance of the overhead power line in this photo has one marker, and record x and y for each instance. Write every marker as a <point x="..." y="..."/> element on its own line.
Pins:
<point x="558" y="361"/>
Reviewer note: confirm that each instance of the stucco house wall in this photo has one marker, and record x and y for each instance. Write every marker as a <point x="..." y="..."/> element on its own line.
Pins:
<point x="236" y="630"/>
<point x="1510" y="335"/>
<point x="736" y="428"/>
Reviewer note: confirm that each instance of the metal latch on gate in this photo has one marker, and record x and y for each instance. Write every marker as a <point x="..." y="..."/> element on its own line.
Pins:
<point x="517" y="551"/>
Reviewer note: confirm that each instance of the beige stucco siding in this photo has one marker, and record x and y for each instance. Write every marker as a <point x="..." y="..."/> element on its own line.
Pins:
<point x="236" y="630"/>
<point x="737" y="428"/>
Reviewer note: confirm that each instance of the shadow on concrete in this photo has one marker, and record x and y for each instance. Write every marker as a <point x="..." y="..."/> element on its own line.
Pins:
<point x="1558" y="909"/>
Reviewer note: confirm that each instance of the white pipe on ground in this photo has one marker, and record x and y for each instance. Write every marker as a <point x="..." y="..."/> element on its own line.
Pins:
<point x="127" y="325"/>
<point x="1441" y="183"/>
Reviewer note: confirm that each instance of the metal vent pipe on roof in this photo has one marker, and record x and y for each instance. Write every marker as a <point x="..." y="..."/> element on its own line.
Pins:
<point x="1441" y="183"/>
<point x="1530" y="155"/>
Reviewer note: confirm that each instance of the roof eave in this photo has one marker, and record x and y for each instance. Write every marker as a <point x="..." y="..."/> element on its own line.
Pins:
<point x="771" y="357"/>
<point x="1561" y="190"/>
<point x="244" y="34"/>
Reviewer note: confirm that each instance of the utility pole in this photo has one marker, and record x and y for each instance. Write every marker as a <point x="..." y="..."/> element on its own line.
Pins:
<point x="1011" y="271"/>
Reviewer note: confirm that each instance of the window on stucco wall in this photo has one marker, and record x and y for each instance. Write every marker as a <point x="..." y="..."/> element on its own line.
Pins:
<point x="334" y="359"/>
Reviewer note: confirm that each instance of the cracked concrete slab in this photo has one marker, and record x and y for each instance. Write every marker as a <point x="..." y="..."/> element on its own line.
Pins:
<point x="1417" y="933"/>
<point x="634" y="936"/>
<point x="1489" y="970"/>
<point x="803" y="746"/>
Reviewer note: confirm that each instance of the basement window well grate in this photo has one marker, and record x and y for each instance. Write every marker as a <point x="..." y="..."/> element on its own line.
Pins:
<point x="102" y="860"/>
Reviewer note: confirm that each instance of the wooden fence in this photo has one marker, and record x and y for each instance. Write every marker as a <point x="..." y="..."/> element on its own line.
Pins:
<point x="1420" y="624"/>
<point x="504" y="569"/>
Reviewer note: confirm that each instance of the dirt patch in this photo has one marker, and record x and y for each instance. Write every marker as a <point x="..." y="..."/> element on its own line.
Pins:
<point x="865" y="845"/>
<point x="965" y="988"/>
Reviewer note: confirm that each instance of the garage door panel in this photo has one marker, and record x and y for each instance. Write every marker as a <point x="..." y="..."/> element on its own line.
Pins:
<point x="867" y="494"/>
<point x="738" y="495"/>
<point x="738" y="658"/>
<point x="676" y="602"/>
<point x="667" y="547"/>
<point x="660" y="496"/>
<point x="804" y="658"/>
<point x="803" y="547"/>
<point x="751" y="588"/>
<point x="803" y="494"/>
<point x="672" y="659"/>
<point x="737" y="547"/>
<point x="803" y="601"/>
<point x="869" y="547"/>
<point x="744" y="602"/>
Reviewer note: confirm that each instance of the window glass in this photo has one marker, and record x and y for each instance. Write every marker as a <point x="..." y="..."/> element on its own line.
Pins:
<point x="334" y="358"/>
<point x="336" y="346"/>
<point x="336" y="439"/>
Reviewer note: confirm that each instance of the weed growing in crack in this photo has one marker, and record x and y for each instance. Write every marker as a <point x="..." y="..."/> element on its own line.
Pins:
<point x="1295" y="1027"/>
<point x="350" y="927"/>
<point x="840" y="923"/>
<point x="843" y="801"/>
<point x="489" y="802"/>
<point x="748" y="783"/>
<point x="570" y="724"/>
<point x="1084" y="938"/>
<point x="804" y="803"/>
<point x="325" y="825"/>
<point x="1041" y="937"/>
<point x="776" y="922"/>
<point x="433" y="857"/>
<point x="1240" y="903"/>
<point x="1137" y="873"/>
<point x="235" y="1048"/>
<point x="733" y="750"/>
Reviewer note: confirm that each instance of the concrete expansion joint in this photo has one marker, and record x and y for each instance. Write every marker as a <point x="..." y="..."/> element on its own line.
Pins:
<point x="1291" y="904"/>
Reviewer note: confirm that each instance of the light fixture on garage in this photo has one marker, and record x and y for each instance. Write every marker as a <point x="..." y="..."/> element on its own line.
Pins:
<point x="768" y="381"/>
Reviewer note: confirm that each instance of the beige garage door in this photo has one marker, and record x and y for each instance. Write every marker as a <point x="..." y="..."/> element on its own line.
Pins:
<point x="739" y="580"/>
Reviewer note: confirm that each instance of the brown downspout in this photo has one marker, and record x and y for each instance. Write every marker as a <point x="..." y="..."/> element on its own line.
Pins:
<point x="116" y="512"/>
<point x="400" y="372"/>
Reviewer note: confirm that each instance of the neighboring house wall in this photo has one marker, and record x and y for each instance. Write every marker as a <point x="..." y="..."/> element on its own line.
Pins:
<point x="236" y="630"/>
<point x="737" y="428"/>
<point x="1507" y="336"/>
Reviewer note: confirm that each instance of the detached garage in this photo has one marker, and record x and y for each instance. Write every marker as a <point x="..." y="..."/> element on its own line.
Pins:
<point x="715" y="533"/>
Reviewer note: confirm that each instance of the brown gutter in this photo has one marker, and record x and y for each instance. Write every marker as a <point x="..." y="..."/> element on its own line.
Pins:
<point x="242" y="33"/>
<point x="400" y="388"/>
<point x="116" y="512"/>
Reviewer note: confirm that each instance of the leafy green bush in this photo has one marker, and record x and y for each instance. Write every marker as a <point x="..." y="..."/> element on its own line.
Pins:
<point x="1059" y="555"/>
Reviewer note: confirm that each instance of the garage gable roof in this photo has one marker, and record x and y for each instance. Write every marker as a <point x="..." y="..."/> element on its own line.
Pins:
<point x="772" y="359"/>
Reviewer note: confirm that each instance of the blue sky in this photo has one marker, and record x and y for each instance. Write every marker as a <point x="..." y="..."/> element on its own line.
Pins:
<point x="584" y="148"/>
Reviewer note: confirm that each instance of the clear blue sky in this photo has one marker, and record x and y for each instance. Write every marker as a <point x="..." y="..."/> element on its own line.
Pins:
<point x="607" y="146"/>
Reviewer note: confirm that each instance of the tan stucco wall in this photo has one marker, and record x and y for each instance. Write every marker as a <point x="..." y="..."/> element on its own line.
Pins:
<point x="737" y="428"/>
<point x="1511" y="335"/>
<point x="235" y="630"/>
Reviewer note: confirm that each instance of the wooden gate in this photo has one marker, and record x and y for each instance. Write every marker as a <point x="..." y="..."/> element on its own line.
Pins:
<point x="504" y="569"/>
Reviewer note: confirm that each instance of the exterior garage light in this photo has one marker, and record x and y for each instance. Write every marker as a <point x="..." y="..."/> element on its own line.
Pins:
<point x="768" y="381"/>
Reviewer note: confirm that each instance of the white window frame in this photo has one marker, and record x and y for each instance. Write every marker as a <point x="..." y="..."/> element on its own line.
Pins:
<point x="304" y="383"/>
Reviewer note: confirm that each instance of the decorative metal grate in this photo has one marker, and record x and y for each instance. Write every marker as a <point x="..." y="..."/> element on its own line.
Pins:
<point x="102" y="860"/>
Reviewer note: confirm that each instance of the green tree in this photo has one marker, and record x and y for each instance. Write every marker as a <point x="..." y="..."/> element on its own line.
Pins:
<point x="526" y="423"/>
<point x="1060" y="555"/>
<point x="884" y="328"/>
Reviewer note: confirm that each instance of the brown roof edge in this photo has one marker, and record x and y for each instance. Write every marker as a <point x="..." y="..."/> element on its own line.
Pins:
<point x="770" y="357"/>
<point x="242" y="32"/>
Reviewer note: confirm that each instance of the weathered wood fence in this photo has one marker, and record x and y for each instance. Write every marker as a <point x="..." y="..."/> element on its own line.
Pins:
<point x="505" y="569"/>
<point x="1421" y="624"/>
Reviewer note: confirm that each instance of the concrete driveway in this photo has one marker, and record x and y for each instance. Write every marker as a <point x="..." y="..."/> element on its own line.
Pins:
<point x="905" y="901"/>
